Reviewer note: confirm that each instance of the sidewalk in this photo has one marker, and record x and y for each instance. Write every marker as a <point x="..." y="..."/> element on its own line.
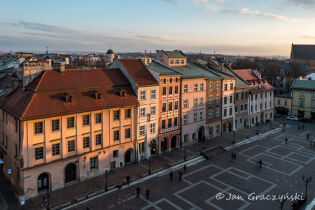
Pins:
<point x="68" y="194"/>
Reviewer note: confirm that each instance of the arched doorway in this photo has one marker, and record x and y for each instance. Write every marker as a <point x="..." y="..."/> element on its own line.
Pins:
<point x="201" y="134"/>
<point x="224" y="128"/>
<point x="128" y="156"/>
<point x="230" y="126"/>
<point x="245" y="123"/>
<point x="164" y="145"/>
<point x="174" y="142"/>
<point x="70" y="172"/>
<point x="43" y="182"/>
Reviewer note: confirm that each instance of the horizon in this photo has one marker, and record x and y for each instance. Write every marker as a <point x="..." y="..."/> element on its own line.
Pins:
<point x="198" y="26"/>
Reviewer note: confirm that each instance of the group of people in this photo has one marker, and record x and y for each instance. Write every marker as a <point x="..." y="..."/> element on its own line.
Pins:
<point x="147" y="192"/>
<point x="180" y="174"/>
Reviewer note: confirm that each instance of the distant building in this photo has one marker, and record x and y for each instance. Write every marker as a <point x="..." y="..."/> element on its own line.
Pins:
<point x="303" y="99"/>
<point x="110" y="56"/>
<point x="303" y="54"/>
<point x="171" y="58"/>
<point x="24" y="55"/>
<point x="283" y="103"/>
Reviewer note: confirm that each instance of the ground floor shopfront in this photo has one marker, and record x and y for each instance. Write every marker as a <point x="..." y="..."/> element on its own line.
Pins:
<point x="167" y="141"/>
<point x="261" y="117"/>
<point x="193" y="132"/>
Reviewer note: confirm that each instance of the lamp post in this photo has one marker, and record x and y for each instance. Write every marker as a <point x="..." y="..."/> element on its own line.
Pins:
<point x="106" y="176"/>
<point x="149" y="165"/>
<point x="184" y="154"/>
<point x="307" y="180"/>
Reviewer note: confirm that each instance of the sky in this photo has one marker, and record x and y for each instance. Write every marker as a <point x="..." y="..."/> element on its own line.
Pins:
<point x="235" y="27"/>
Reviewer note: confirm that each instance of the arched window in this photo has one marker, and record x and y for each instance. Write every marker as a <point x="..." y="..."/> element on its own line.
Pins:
<point x="43" y="182"/>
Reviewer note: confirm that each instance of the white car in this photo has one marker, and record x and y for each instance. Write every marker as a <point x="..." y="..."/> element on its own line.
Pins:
<point x="292" y="118"/>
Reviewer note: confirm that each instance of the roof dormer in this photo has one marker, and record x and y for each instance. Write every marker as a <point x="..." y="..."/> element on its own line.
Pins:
<point x="68" y="98"/>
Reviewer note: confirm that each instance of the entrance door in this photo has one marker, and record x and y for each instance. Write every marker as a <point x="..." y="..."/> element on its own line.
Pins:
<point x="43" y="182"/>
<point x="70" y="173"/>
<point x="244" y="123"/>
<point x="174" y="142"/>
<point x="128" y="156"/>
<point x="201" y="133"/>
<point x="164" y="145"/>
<point x="230" y="126"/>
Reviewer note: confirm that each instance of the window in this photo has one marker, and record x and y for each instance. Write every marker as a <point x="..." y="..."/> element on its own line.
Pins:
<point x="261" y="95"/>
<point x="93" y="162"/>
<point x="251" y="98"/>
<point x="116" y="135"/>
<point x="127" y="133"/>
<point x="201" y="115"/>
<point x="279" y="102"/>
<point x="185" y="119"/>
<point x="231" y="110"/>
<point x="176" y="89"/>
<point x="301" y="94"/>
<point x="210" y="114"/>
<point x="115" y="153"/>
<point x="185" y="88"/>
<point x="39" y="153"/>
<point x="142" y="112"/>
<point x="177" y="78"/>
<point x="153" y="110"/>
<point x="142" y="130"/>
<point x="195" y="101"/>
<point x="201" y="101"/>
<point x="201" y="87"/>
<point x="210" y="85"/>
<point x="86" y="119"/>
<point x="195" y="117"/>
<point x="261" y="106"/>
<point x="255" y="96"/>
<point x="142" y="95"/>
<point x="231" y="86"/>
<point x="242" y="95"/>
<point x="231" y="99"/>
<point x="251" y="108"/>
<point x="98" y="139"/>
<point x="127" y="113"/>
<point x="186" y="103"/>
<point x="224" y="112"/>
<point x="313" y="104"/>
<point x="236" y="96"/>
<point x="164" y="81"/>
<point x="86" y="142"/>
<point x="301" y="103"/>
<point x="152" y="128"/>
<point x="176" y="105"/>
<point x="313" y="95"/>
<point x="164" y="107"/>
<point x="55" y="149"/>
<point x="225" y="100"/>
<point x="210" y="100"/>
<point x="177" y="61"/>
<point x="265" y="104"/>
<point x="218" y="99"/>
<point x="170" y="106"/>
<point x="164" y="91"/>
<point x="55" y="125"/>
<point x="71" y="145"/>
<point x="265" y="94"/>
<point x="98" y="118"/>
<point x="171" y="80"/>
<point x="170" y="90"/>
<point x="242" y="108"/>
<point x="245" y="107"/>
<point x="163" y="124"/>
<point x="116" y="115"/>
<point x="194" y="136"/>
<point x="218" y="129"/>
<point x="153" y="94"/>
<point x="235" y="108"/>
<point x="225" y="87"/>
<point x="210" y="131"/>
<point x="181" y="61"/>
<point x="169" y="124"/>
<point x="195" y="87"/>
<point x="38" y="127"/>
<point x="217" y="112"/>
<point x="70" y="122"/>
<point x="175" y="121"/>
<point x="218" y="85"/>
<point x="285" y="103"/>
<point x="256" y="107"/>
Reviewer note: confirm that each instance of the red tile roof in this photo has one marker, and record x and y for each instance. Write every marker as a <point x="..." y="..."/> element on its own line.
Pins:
<point x="246" y="74"/>
<point x="138" y="72"/>
<point x="44" y="97"/>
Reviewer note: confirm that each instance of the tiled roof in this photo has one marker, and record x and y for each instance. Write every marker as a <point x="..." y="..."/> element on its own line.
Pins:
<point x="44" y="98"/>
<point x="304" y="84"/>
<point x="138" y="72"/>
<point x="175" y="54"/>
<point x="246" y="74"/>
<point x="303" y="52"/>
<point x="162" y="69"/>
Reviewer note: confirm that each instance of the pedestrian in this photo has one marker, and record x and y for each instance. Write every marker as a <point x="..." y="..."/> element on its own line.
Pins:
<point x="147" y="194"/>
<point x="171" y="176"/>
<point x="138" y="191"/>
<point x="125" y="181"/>
<point x="260" y="163"/>
<point x="308" y="136"/>
<point x="128" y="180"/>
<point x="185" y="167"/>
<point x="118" y="186"/>
<point x="286" y="140"/>
<point x="180" y="175"/>
<point x="234" y="154"/>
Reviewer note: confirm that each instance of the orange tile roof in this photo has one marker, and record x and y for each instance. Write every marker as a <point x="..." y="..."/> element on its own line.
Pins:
<point x="44" y="97"/>
<point x="138" y="72"/>
<point x="246" y="74"/>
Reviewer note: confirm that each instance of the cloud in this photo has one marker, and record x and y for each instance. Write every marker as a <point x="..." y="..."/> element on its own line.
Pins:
<point x="170" y="1"/>
<point x="308" y="37"/>
<point x="42" y="27"/>
<point x="302" y="2"/>
<point x="257" y="13"/>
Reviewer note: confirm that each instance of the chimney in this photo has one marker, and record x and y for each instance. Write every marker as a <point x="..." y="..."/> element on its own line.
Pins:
<point x="60" y="66"/>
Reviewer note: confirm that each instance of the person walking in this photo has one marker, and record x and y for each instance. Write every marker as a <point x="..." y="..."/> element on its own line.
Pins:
<point x="180" y="175"/>
<point x="307" y="136"/>
<point x="185" y="168"/>
<point x="234" y="156"/>
<point x="138" y="191"/>
<point x="128" y="180"/>
<point x="147" y="194"/>
<point x="286" y="140"/>
<point x="171" y="176"/>
<point x="260" y="163"/>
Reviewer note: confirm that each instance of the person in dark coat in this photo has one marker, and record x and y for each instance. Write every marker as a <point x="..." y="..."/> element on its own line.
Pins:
<point x="147" y="194"/>
<point x="171" y="176"/>
<point x="180" y="175"/>
<point x="138" y="191"/>
<point x="260" y="163"/>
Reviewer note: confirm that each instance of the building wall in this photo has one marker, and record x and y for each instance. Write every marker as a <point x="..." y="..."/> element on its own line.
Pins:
<point x="191" y="127"/>
<point x="241" y="106"/>
<point x="308" y="106"/>
<point x="228" y="113"/>
<point x="282" y="102"/>
<point x="165" y="116"/>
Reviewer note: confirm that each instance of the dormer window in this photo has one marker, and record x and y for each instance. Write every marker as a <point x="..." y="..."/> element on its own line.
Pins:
<point x="97" y="95"/>
<point x="68" y="98"/>
<point x="122" y="92"/>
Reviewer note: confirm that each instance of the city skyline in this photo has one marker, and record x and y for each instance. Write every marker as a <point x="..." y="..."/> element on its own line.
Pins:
<point x="263" y="28"/>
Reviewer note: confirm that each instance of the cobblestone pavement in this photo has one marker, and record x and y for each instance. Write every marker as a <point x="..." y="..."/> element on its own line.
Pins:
<point x="209" y="184"/>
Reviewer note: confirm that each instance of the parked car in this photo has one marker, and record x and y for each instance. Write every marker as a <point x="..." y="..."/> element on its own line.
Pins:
<point x="292" y="118"/>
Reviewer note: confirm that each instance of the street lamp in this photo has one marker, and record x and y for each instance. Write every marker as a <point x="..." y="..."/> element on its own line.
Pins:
<point x="184" y="154"/>
<point x="307" y="180"/>
<point x="149" y="165"/>
<point x="106" y="176"/>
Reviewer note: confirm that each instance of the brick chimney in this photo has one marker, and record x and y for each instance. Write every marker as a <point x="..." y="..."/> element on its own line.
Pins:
<point x="32" y="69"/>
